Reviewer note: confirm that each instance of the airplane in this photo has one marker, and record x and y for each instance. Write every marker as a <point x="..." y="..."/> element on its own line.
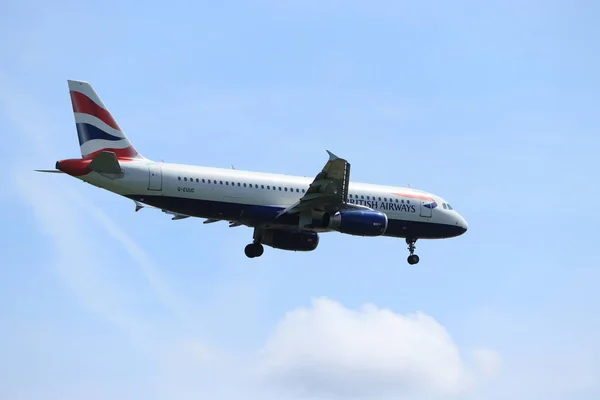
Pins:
<point x="286" y="212"/>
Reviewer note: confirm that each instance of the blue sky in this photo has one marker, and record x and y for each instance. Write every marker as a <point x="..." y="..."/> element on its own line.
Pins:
<point x="493" y="107"/>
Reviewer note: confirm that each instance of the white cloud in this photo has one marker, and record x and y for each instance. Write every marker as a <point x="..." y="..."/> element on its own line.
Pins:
<point x="372" y="352"/>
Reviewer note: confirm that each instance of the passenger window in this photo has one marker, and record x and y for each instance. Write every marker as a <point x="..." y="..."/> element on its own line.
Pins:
<point x="280" y="188"/>
<point x="268" y="187"/>
<point x="303" y="190"/>
<point x="362" y="197"/>
<point x="185" y="179"/>
<point x="179" y="178"/>
<point x="285" y="189"/>
<point x="239" y="184"/>
<point x="262" y="186"/>
<point x="297" y="190"/>
<point x="379" y="198"/>
<point x="197" y="180"/>
<point x="244" y="185"/>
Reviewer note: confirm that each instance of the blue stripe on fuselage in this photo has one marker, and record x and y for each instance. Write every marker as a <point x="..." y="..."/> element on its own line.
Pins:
<point x="253" y="214"/>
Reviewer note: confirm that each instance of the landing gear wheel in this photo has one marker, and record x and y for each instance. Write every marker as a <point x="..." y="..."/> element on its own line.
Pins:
<point x="254" y="250"/>
<point x="412" y="258"/>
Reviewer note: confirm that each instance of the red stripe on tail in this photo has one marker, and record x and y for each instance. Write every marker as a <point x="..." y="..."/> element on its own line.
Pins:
<point x="84" y="105"/>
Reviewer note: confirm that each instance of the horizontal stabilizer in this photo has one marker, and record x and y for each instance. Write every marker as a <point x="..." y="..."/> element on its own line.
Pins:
<point x="106" y="162"/>
<point x="210" y="221"/>
<point x="52" y="171"/>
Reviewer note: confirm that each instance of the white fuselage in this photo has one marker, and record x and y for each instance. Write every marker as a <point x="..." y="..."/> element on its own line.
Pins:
<point x="216" y="193"/>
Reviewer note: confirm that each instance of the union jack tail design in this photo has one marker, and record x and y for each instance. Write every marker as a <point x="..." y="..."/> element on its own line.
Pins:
<point x="96" y="128"/>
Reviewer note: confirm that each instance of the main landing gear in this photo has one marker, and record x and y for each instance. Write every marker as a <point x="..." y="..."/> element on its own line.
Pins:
<point x="412" y="258"/>
<point x="255" y="249"/>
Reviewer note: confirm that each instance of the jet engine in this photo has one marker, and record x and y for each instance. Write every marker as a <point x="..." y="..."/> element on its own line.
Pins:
<point x="357" y="222"/>
<point x="291" y="240"/>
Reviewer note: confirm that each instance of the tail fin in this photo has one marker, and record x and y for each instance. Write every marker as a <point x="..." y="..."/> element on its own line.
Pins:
<point x="97" y="129"/>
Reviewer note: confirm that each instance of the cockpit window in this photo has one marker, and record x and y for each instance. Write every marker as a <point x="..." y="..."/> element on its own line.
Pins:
<point x="450" y="207"/>
<point x="444" y="205"/>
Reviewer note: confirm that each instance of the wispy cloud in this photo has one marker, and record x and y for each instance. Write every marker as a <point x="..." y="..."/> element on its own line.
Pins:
<point x="78" y="261"/>
<point x="141" y="260"/>
<point x="77" y="227"/>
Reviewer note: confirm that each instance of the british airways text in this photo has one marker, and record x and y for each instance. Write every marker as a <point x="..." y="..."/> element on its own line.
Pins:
<point x="388" y="206"/>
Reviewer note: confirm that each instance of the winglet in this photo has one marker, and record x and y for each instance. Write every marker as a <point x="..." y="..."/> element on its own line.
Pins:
<point x="332" y="157"/>
<point x="138" y="206"/>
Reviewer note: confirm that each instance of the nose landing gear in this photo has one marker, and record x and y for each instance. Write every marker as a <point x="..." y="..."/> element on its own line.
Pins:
<point x="412" y="258"/>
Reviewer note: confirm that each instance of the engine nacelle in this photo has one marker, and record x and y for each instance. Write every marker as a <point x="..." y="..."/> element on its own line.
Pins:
<point x="357" y="222"/>
<point x="291" y="240"/>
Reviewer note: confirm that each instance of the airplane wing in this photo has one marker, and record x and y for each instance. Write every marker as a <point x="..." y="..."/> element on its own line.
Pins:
<point x="178" y="216"/>
<point x="328" y="191"/>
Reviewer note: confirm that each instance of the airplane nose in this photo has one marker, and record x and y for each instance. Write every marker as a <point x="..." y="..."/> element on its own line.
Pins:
<point x="462" y="222"/>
